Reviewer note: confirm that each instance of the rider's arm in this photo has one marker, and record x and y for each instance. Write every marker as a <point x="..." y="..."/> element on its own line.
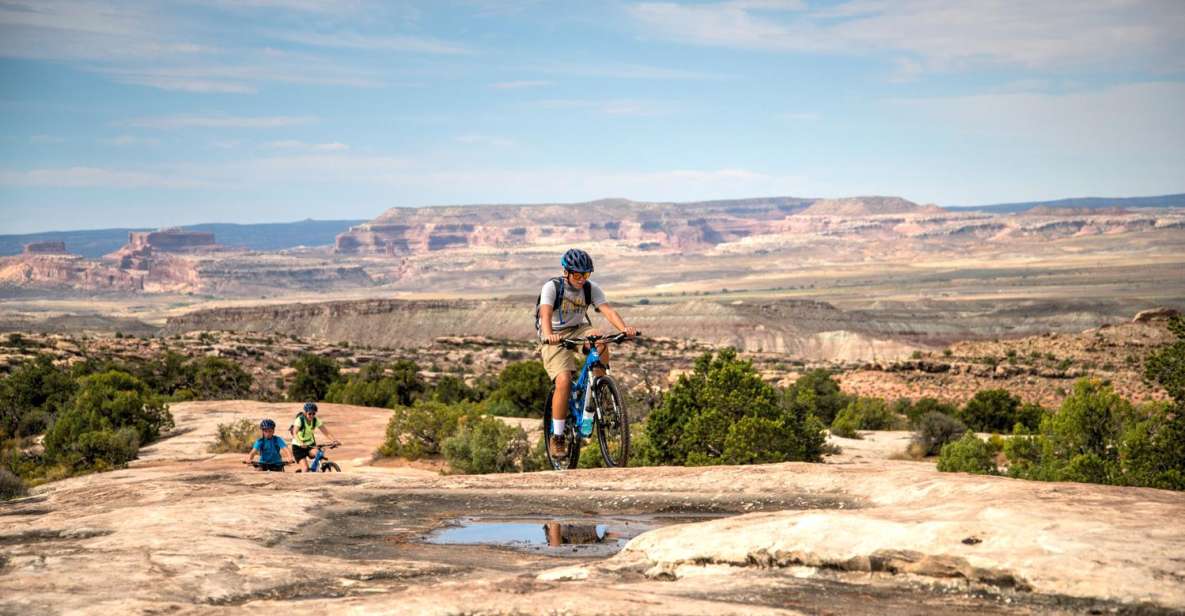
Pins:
<point x="325" y="431"/>
<point x="615" y="319"/>
<point x="254" y="450"/>
<point x="545" y="312"/>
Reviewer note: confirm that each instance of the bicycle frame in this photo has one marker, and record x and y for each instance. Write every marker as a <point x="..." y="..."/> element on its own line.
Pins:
<point x="315" y="465"/>
<point x="584" y="385"/>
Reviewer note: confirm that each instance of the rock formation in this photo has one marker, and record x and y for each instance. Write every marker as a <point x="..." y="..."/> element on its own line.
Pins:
<point x="403" y="231"/>
<point x="44" y="248"/>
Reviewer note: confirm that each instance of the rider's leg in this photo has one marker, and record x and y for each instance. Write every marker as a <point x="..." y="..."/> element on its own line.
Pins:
<point x="559" y="402"/>
<point x="603" y="349"/>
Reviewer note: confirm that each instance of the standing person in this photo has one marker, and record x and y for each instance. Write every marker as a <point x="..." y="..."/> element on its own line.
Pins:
<point x="303" y="432"/>
<point x="563" y="313"/>
<point x="268" y="447"/>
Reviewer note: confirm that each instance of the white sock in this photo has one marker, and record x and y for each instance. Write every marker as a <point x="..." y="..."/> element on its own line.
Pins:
<point x="557" y="426"/>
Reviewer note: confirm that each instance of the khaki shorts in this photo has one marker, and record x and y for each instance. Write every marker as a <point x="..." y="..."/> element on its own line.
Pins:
<point x="557" y="359"/>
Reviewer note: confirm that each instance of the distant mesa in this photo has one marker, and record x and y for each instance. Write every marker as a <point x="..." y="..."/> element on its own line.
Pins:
<point x="868" y="206"/>
<point x="146" y="247"/>
<point x="648" y="225"/>
<point x="44" y="248"/>
<point x="174" y="239"/>
<point x="1049" y="210"/>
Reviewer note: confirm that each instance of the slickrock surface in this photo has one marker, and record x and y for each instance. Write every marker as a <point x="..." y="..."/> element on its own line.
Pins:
<point x="187" y="532"/>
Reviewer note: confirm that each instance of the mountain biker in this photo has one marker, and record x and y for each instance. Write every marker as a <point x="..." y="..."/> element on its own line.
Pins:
<point x="571" y="321"/>
<point x="268" y="447"/>
<point x="303" y="431"/>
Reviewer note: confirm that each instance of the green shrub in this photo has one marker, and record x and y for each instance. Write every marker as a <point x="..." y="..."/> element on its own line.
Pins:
<point x="32" y="395"/>
<point x="867" y="414"/>
<point x="170" y="373"/>
<point x="107" y="404"/>
<point x="1097" y="437"/>
<point x="314" y="376"/>
<point x="934" y="430"/>
<point x="991" y="410"/>
<point x="216" y="378"/>
<point x="11" y="486"/>
<point x="926" y="405"/>
<point x="485" y="444"/>
<point x="967" y="455"/>
<point x="522" y="388"/>
<point x="1152" y="450"/>
<point x="846" y="426"/>
<point x="105" y="449"/>
<point x="758" y="440"/>
<point x="235" y="437"/>
<point x="421" y="429"/>
<point x="697" y="416"/>
<point x="817" y="393"/>
<point x="1166" y="367"/>
<point x="450" y="390"/>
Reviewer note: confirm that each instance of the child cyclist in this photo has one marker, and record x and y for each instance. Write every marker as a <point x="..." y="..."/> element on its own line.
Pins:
<point x="566" y="316"/>
<point x="268" y="447"/>
<point x="304" y="438"/>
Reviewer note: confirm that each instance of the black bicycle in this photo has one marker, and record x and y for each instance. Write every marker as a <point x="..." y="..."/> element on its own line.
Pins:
<point x="264" y="466"/>
<point x="608" y="414"/>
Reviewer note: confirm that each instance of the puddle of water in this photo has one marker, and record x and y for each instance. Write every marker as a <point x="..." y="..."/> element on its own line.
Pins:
<point x="602" y="536"/>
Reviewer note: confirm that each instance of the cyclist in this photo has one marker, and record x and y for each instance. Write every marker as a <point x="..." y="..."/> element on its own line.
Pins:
<point x="268" y="447"/>
<point x="303" y="431"/>
<point x="566" y="316"/>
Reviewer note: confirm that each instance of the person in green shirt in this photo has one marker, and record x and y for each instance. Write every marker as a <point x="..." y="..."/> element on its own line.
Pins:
<point x="303" y="431"/>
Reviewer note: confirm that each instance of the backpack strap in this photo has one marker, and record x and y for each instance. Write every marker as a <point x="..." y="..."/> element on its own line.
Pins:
<point x="559" y="293"/>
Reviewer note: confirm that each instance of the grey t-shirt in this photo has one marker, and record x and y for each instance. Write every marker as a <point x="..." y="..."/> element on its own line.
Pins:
<point x="573" y="309"/>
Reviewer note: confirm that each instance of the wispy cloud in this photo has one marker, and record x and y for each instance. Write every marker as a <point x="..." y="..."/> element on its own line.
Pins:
<point x="625" y="71"/>
<point x="130" y="140"/>
<point x="486" y="140"/>
<point x="94" y="177"/>
<point x="219" y="121"/>
<point x="46" y="140"/>
<point x="353" y="40"/>
<point x="1134" y="120"/>
<point x="615" y="107"/>
<point x="517" y="85"/>
<point x="939" y="35"/>
<point x="292" y="144"/>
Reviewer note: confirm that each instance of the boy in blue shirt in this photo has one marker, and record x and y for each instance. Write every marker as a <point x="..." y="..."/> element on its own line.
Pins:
<point x="268" y="447"/>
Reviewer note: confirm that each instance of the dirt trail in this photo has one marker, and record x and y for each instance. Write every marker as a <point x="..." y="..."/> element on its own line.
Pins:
<point x="185" y="531"/>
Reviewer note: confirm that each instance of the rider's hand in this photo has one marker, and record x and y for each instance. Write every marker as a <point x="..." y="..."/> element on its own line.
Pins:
<point x="555" y="338"/>
<point x="630" y="331"/>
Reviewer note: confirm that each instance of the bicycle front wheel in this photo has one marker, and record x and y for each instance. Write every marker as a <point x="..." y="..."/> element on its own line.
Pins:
<point x="613" y="423"/>
<point x="327" y="467"/>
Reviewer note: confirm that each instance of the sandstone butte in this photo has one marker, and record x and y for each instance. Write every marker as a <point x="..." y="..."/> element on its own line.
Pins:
<point x="187" y="532"/>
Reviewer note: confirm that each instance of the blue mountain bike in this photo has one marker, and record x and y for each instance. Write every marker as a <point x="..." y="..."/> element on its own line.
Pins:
<point x="609" y="418"/>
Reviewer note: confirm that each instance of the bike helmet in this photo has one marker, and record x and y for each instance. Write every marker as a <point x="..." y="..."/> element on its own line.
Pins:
<point x="267" y="424"/>
<point x="576" y="260"/>
<point x="310" y="407"/>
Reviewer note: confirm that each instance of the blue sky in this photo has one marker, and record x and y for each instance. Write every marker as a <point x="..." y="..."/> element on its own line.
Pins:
<point x="178" y="112"/>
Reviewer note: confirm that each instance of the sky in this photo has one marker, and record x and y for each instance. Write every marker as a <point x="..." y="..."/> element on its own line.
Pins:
<point x="172" y="112"/>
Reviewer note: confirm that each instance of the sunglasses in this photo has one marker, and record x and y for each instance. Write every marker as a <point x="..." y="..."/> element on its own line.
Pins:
<point x="580" y="275"/>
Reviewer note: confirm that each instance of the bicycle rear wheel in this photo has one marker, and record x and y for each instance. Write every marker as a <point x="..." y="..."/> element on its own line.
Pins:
<point x="573" y="457"/>
<point x="613" y="423"/>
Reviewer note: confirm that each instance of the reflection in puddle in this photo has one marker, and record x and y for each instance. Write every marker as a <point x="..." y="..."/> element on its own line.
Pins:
<point x="559" y="533"/>
<point x="565" y="536"/>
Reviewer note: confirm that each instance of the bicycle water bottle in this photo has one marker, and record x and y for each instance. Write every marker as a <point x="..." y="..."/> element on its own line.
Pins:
<point x="586" y="421"/>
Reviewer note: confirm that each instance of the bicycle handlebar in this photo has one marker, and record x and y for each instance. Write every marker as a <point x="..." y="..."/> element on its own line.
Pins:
<point x="572" y="343"/>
